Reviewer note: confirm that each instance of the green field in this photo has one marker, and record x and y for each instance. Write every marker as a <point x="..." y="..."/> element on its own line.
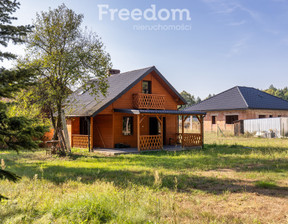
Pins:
<point x="232" y="180"/>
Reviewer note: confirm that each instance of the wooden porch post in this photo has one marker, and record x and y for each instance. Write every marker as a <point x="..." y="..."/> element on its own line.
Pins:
<point x="162" y="132"/>
<point x="202" y="130"/>
<point x="160" y="120"/>
<point x="71" y="133"/>
<point x="182" y="142"/>
<point x="201" y="120"/>
<point x="138" y="132"/>
<point x="88" y="121"/>
<point x="91" y="133"/>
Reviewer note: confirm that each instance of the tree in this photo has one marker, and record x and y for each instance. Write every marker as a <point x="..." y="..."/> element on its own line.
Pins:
<point x="281" y="93"/>
<point x="7" y="31"/>
<point x="64" y="56"/>
<point x="16" y="132"/>
<point x="189" y="98"/>
<point x="209" y="96"/>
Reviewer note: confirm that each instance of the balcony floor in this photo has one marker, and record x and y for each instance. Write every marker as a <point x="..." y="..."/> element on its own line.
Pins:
<point x="115" y="152"/>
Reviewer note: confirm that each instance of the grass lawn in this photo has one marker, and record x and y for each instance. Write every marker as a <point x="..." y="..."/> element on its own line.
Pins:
<point x="232" y="180"/>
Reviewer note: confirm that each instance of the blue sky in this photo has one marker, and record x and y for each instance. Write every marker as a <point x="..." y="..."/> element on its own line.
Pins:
<point x="229" y="42"/>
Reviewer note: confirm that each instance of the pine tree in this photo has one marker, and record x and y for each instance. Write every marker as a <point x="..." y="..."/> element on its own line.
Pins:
<point x="15" y="132"/>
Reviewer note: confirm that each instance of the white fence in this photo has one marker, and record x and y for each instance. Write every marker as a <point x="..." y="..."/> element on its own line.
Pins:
<point x="278" y="126"/>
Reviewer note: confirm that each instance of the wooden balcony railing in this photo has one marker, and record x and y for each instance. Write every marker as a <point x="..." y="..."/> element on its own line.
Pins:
<point x="151" y="142"/>
<point x="79" y="141"/>
<point x="190" y="139"/>
<point x="148" y="101"/>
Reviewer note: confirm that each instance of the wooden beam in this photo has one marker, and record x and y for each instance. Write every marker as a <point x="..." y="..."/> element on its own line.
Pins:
<point x="65" y="134"/>
<point x="138" y="132"/>
<point x="89" y="137"/>
<point x="91" y="133"/>
<point x="182" y="142"/>
<point x="143" y="117"/>
<point x="202" y="130"/>
<point x="71" y="133"/>
<point x="186" y="118"/>
<point x="162" y="134"/>
<point x="158" y="118"/>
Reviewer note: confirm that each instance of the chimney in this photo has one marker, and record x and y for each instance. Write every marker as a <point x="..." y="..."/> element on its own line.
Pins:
<point x="114" y="71"/>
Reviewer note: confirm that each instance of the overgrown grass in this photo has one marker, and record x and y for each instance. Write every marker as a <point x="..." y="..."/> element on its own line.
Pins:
<point x="214" y="185"/>
<point x="265" y="184"/>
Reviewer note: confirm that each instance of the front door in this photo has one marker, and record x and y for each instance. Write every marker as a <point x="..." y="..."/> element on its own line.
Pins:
<point x="153" y="126"/>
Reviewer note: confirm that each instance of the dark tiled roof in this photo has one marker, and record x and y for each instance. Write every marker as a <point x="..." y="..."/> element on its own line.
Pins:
<point x="177" y="112"/>
<point x="84" y="104"/>
<point x="241" y="97"/>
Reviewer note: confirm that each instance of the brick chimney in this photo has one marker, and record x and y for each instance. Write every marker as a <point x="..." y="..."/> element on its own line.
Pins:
<point x="114" y="71"/>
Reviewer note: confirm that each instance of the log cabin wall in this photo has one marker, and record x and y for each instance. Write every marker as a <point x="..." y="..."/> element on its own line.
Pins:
<point x="102" y="131"/>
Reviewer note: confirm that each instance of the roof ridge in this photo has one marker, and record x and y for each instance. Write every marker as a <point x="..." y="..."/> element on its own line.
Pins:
<point x="137" y="70"/>
<point x="263" y="91"/>
<point x="238" y="87"/>
<point x="279" y="98"/>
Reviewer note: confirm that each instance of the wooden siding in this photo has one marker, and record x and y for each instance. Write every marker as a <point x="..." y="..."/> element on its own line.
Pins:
<point x="102" y="136"/>
<point x="126" y="101"/>
<point x="118" y="135"/>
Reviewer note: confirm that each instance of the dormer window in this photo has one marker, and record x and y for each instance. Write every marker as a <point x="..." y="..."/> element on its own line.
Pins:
<point x="146" y="87"/>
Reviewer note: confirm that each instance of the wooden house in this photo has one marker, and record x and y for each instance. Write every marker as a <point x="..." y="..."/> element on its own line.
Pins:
<point x="139" y="111"/>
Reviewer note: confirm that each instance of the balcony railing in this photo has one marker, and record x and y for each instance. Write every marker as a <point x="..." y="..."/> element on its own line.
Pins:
<point x="148" y="101"/>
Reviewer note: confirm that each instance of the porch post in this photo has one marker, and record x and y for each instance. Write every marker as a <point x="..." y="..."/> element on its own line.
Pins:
<point x="88" y="121"/>
<point x="182" y="142"/>
<point x="72" y="121"/>
<point x="202" y="130"/>
<point x="138" y="132"/>
<point x="162" y="132"/>
<point x="91" y="133"/>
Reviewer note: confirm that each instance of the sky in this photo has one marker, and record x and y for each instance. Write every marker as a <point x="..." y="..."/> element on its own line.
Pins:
<point x="216" y="45"/>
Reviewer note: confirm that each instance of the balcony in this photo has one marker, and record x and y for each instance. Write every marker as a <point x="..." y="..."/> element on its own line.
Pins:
<point x="148" y="101"/>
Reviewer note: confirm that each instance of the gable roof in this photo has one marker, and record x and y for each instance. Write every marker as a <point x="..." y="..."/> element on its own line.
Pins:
<point x="85" y="104"/>
<point x="240" y="97"/>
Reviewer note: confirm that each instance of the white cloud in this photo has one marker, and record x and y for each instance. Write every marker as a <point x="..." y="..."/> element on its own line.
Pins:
<point x="238" y="47"/>
<point x="229" y="7"/>
<point x="242" y="22"/>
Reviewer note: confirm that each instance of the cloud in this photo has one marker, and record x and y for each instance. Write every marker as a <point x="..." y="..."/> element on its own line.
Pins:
<point x="237" y="23"/>
<point x="230" y="6"/>
<point x="238" y="47"/>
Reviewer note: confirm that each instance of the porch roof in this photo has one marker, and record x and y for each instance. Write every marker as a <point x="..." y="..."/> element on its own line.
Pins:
<point x="175" y="112"/>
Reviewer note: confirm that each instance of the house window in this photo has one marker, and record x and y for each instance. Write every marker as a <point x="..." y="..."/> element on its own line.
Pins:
<point x="146" y="87"/>
<point x="213" y="119"/>
<point x="231" y="118"/>
<point x="262" y="116"/>
<point x="271" y="116"/>
<point x="83" y="126"/>
<point x="279" y="115"/>
<point x="127" y="126"/>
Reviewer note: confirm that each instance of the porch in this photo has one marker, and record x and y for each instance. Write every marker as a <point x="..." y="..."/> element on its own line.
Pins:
<point x="144" y="130"/>
<point x="124" y="151"/>
<point x="157" y="141"/>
